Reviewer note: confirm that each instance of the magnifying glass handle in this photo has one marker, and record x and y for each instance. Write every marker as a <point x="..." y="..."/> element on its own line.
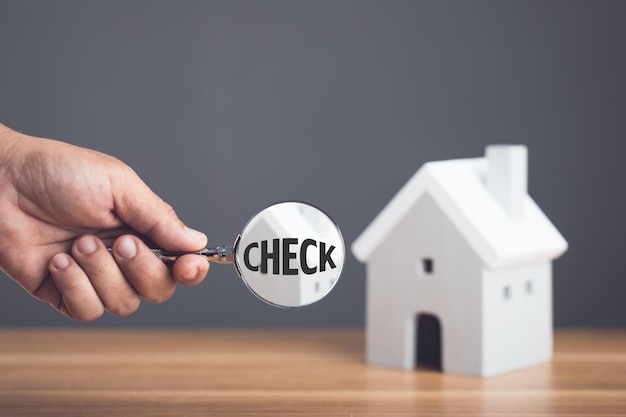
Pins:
<point x="220" y="254"/>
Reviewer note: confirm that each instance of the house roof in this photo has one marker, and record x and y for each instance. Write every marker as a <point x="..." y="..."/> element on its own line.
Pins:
<point x="458" y="187"/>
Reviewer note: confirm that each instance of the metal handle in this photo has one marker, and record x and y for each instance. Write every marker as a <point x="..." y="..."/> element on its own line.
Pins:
<point x="220" y="254"/>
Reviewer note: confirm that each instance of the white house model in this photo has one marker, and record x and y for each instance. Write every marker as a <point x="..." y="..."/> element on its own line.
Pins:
<point x="462" y="241"/>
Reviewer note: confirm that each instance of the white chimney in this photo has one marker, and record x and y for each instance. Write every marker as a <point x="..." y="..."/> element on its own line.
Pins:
<point x="507" y="176"/>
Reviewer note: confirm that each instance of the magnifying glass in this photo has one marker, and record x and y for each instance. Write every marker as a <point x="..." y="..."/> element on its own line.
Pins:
<point x="289" y="255"/>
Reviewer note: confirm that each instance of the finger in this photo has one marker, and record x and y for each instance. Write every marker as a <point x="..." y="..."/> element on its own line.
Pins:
<point x="116" y="293"/>
<point x="139" y="207"/>
<point x="148" y="274"/>
<point x="49" y="292"/>
<point x="79" y="297"/>
<point x="190" y="269"/>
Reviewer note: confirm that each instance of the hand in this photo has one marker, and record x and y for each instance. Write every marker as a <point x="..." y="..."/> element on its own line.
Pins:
<point x="61" y="206"/>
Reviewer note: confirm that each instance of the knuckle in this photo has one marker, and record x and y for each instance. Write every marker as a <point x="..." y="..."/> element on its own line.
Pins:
<point x="125" y="308"/>
<point x="87" y="316"/>
<point x="155" y="283"/>
<point x="164" y="294"/>
<point x="167" y="208"/>
<point x="71" y="284"/>
<point x="151" y="276"/>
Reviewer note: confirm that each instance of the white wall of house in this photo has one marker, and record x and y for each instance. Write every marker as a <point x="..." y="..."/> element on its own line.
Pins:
<point x="517" y="317"/>
<point x="398" y="289"/>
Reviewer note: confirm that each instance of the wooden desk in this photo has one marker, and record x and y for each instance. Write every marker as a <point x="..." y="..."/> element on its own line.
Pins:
<point x="287" y="373"/>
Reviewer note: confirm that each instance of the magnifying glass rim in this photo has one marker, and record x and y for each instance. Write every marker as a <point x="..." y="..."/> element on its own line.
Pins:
<point x="240" y="269"/>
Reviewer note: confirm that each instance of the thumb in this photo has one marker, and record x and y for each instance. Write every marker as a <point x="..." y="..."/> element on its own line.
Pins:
<point x="140" y="208"/>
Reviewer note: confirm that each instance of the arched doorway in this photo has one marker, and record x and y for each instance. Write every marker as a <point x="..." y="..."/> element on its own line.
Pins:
<point x="428" y="342"/>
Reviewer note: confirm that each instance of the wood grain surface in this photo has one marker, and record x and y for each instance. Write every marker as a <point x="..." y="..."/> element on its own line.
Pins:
<point x="287" y="373"/>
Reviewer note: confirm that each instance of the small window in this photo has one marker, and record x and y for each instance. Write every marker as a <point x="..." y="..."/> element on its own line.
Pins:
<point x="428" y="265"/>
<point x="506" y="292"/>
<point x="425" y="267"/>
<point x="529" y="287"/>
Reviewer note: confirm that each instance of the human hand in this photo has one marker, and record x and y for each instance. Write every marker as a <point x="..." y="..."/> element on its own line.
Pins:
<point x="62" y="205"/>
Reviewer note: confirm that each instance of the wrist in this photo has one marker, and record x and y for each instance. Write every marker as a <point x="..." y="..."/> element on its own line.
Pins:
<point x="6" y="138"/>
<point x="11" y="145"/>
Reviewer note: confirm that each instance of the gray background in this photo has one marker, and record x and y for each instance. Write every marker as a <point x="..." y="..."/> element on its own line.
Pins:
<point x="225" y="107"/>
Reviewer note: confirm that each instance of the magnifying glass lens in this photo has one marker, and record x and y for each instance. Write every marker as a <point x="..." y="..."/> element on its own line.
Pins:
<point x="290" y="254"/>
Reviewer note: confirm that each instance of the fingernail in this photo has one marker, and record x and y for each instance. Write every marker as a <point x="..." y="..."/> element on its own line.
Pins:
<point x="194" y="234"/>
<point x="61" y="261"/>
<point x="126" y="249"/>
<point x="86" y="245"/>
<point x="191" y="274"/>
